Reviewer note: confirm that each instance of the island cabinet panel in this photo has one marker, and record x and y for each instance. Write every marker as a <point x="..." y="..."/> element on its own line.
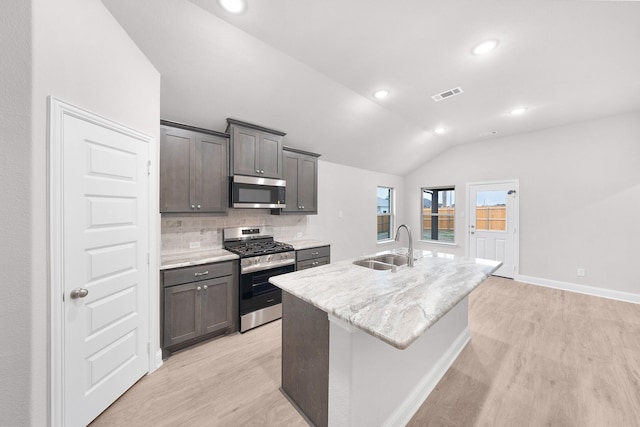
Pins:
<point x="305" y="358"/>
<point x="255" y="150"/>
<point x="193" y="169"/>
<point x="199" y="303"/>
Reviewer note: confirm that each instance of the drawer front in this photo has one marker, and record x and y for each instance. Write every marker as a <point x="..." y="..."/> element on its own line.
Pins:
<point x="310" y="263"/>
<point x="320" y="252"/>
<point x="179" y="276"/>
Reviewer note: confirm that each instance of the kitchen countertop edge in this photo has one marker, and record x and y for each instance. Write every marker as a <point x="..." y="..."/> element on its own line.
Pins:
<point x="380" y="312"/>
<point x="300" y="244"/>
<point x="188" y="259"/>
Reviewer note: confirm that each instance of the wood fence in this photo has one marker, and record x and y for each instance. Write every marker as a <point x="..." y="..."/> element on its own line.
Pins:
<point x="487" y="218"/>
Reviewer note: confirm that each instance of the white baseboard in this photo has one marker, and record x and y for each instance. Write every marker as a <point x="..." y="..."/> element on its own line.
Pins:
<point x="158" y="361"/>
<point x="416" y="398"/>
<point x="581" y="289"/>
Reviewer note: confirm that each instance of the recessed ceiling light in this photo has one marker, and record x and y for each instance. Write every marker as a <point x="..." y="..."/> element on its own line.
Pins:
<point x="485" y="47"/>
<point x="380" y="94"/>
<point x="518" y="111"/>
<point x="440" y="130"/>
<point x="233" y="6"/>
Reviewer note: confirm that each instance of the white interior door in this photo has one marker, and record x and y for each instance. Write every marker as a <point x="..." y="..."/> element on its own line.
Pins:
<point x="104" y="271"/>
<point x="493" y="224"/>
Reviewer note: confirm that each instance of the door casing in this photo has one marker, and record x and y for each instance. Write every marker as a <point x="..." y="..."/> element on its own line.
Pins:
<point x="57" y="110"/>
<point x="515" y="183"/>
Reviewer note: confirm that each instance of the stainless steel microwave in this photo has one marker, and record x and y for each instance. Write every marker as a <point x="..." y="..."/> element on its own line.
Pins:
<point x="255" y="192"/>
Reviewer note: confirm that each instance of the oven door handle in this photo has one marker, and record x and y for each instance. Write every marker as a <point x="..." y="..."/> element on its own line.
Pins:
<point x="267" y="266"/>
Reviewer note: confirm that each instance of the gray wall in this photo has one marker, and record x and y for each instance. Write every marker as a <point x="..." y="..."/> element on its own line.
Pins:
<point x="579" y="197"/>
<point x="15" y="212"/>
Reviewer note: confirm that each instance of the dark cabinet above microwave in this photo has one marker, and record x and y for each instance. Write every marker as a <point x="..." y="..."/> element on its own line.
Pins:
<point x="255" y="150"/>
<point x="193" y="169"/>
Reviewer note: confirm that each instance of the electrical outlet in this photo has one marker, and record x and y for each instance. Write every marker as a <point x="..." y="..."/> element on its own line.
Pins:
<point x="194" y="245"/>
<point x="581" y="272"/>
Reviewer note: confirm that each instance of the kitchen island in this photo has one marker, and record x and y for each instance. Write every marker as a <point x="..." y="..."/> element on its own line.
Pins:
<point x="364" y="347"/>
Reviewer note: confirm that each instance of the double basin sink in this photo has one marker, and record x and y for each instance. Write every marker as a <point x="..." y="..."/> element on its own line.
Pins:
<point x="383" y="262"/>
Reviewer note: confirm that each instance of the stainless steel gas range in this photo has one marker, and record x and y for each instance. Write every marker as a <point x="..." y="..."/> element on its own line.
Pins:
<point x="260" y="258"/>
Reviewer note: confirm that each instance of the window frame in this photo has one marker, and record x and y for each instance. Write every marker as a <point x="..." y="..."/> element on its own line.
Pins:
<point x="391" y="214"/>
<point x="436" y="214"/>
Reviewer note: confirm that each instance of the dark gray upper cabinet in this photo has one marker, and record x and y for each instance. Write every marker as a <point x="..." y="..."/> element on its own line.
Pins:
<point x="255" y="150"/>
<point x="193" y="169"/>
<point x="301" y="173"/>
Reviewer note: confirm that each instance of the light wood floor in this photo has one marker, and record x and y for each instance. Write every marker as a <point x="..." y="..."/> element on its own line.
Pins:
<point x="537" y="357"/>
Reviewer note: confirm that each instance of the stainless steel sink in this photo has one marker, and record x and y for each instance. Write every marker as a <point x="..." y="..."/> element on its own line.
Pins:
<point x="392" y="259"/>
<point x="383" y="262"/>
<point x="374" y="265"/>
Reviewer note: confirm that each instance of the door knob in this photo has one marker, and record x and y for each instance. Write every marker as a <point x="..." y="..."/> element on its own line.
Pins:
<point x="79" y="293"/>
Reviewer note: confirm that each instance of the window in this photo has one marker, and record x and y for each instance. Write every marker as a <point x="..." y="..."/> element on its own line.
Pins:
<point x="385" y="213"/>
<point x="438" y="214"/>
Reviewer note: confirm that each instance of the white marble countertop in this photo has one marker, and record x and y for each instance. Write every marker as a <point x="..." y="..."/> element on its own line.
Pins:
<point x="299" y="244"/>
<point x="188" y="258"/>
<point x="396" y="307"/>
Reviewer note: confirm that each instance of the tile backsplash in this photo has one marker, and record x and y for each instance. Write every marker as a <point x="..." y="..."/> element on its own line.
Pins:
<point x="178" y="232"/>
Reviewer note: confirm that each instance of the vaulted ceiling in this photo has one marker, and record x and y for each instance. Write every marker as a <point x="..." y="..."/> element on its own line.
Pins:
<point x="309" y="68"/>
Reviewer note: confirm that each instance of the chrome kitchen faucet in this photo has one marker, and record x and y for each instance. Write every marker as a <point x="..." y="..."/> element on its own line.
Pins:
<point x="410" y="254"/>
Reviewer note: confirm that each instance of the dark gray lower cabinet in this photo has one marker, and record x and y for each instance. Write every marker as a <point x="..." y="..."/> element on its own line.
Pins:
<point x="199" y="303"/>
<point x="313" y="257"/>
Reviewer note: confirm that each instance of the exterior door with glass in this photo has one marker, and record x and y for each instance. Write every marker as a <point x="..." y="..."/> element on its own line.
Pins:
<point x="493" y="224"/>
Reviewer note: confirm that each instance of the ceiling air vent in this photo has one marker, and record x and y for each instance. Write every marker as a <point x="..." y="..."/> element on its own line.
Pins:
<point x="447" y="94"/>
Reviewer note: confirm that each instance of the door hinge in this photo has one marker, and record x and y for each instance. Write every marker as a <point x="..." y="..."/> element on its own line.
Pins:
<point x="149" y="167"/>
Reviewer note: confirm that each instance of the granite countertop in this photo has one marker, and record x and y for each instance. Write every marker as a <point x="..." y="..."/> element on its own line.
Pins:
<point x="188" y="258"/>
<point x="299" y="244"/>
<point x="396" y="307"/>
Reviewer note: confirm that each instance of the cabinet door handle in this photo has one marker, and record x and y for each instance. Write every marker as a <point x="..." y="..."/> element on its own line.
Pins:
<point x="205" y="286"/>
<point x="193" y="206"/>
<point x="199" y="206"/>
<point x="204" y="273"/>
<point x="257" y="170"/>
<point x="261" y="171"/>
<point x="315" y="253"/>
<point x="198" y="288"/>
